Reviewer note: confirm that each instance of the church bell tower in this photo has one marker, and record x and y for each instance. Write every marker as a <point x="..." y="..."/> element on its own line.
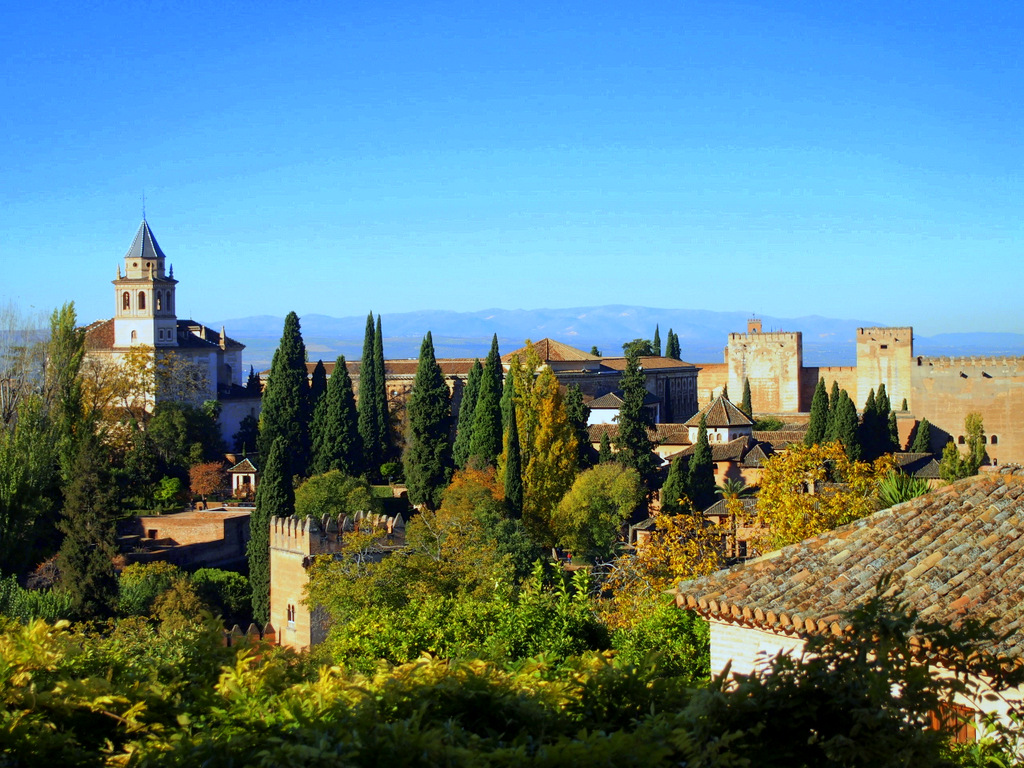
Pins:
<point x="144" y="296"/>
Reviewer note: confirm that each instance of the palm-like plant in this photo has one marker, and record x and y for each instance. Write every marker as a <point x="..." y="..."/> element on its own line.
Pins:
<point x="734" y="489"/>
<point x="896" y="487"/>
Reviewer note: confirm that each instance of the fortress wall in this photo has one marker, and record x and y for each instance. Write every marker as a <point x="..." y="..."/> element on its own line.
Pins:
<point x="710" y="380"/>
<point x="885" y="356"/>
<point x="844" y="375"/>
<point x="946" y="389"/>
<point x="772" y="363"/>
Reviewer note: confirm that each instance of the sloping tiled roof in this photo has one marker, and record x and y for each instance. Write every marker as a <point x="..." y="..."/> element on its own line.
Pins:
<point x="100" y="335"/>
<point x="955" y="552"/>
<point x="749" y="504"/>
<point x="735" y="450"/>
<point x="614" y="400"/>
<point x="922" y="465"/>
<point x="721" y="413"/>
<point x="554" y="352"/>
<point x="144" y="246"/>
<point x="779" y="438"/>
<point x="196" y="335"/>
<point x="647" y="362"/>
<point x="245" y="466"/>
<point x="662" y="434"/>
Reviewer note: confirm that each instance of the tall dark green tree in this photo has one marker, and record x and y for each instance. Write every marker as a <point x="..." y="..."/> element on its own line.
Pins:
<point x="464" y="431"/>
<point x="368" y="421"/>
<point x="428" y="453"/>
<point x="604" y="453"/>
<point x="833" y="413"/>
<point x="633" y="442"/>
<point x="381" y="396"/>
<point x="513" y="467"/>
<point x="700" y="481"/>
<point x="675" y="487"/>
<point x="275" y="497"/>
<point x="894" y="433"/>
<point x="672" y="345"/>
<point x="285" y="411"/>
<point x="86" y="556"/>
<point x="485" y="443"/>
<point x="888" y="434"/>
<point x="656" y="342"/>
<point x="317" y="384"/>
<point x="336" y="440"/>
<point x="579" y="414"/>
<point x="819" y="416"/>
<point x="745" y="405"/>
<point x="847" y="426"/>
<point x="868" y="430"/>
<point x="922" y="438"/>
<point x="253" y="387"/>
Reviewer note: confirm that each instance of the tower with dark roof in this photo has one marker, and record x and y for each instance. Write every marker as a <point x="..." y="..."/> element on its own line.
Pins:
<point x="144" y="296"/>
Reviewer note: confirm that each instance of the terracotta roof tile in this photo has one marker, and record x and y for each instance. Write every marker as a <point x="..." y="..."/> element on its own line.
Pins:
<point x="554" y="352"/>
<point x="100" y="335"/>
<point x="720" y="413"/>
<point x="953" y="552"/>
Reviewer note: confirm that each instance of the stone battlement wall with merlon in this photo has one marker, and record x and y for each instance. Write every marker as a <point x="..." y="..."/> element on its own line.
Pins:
<point x="1007" y="362"/>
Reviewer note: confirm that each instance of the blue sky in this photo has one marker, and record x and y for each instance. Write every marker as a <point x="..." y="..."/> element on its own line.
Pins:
<point x="861" y="161"/>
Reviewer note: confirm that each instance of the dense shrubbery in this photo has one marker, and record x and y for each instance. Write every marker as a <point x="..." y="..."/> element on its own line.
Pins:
<point x="140" y="696"/>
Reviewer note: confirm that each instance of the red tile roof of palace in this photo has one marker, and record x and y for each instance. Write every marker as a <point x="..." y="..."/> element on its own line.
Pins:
<point x="720" y="413"/>
<point x="553" y="351"/>
<point x="955" y="552"/>
<point x="662" y="434"/>
<point x="647" y="362"/>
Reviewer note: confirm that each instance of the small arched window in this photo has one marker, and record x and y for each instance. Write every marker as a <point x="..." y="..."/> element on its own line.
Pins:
<point x="126" y="301"/>
<point x="142" y="299"/>
<point x="135" y="336"/>
<point x="159" y="302"/>
<point x="961" y="440"/>
<point x="994" y="440"/>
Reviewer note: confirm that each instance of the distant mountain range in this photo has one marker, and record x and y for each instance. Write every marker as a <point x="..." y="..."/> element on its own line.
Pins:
<point x="702" y="334"/>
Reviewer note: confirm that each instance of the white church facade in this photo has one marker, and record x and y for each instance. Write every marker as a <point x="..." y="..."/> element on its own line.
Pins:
<point x="198" y="362"/>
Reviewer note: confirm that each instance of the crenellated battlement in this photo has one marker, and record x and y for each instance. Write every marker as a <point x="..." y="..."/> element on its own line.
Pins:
<point x="782" y="336"/>
<point x="1016" y="364"/>
<point x="904" y="333"/>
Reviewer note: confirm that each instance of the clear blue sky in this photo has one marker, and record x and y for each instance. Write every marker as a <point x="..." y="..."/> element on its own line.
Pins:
<point x="860" y="160"/>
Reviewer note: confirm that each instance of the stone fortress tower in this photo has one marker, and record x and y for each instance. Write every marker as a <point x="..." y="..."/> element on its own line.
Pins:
<point x="771" y="362"/>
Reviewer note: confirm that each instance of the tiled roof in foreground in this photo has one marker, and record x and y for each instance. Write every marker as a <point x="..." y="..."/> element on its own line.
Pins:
<point x="955" y="552"/>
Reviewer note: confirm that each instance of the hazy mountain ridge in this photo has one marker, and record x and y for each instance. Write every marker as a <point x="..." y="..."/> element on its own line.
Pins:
<point x="703" y="334"/>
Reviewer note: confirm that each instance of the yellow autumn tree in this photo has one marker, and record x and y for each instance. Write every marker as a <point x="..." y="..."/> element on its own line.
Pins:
<point x="812" y="489"/>
<point x="551" y="465"/>
<point x="680" y="547"/>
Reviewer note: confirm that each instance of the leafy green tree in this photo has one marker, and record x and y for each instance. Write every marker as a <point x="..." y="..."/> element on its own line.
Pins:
<point x="700" y="480"/>
<point x="367" y="421"/>
<point x="485" y="442"/>
<point x="275" y="497"/>
<point x="427" y="457"/>
<point x="513" y="468"/>
<point x="248" y="434"/>
<point x="285" y="411"/>
<point x="819" y="416"/>
<point x="595" y="351"/>
<point x="140" y="584"/>
<point x="86" y="556"/>
<point x="604" y="454"/>
<point x="579" y="414"/>
<point x="336" y="440"/>
<point x="589" y="518"/>
<point x="675" y="487"/>
<point x="745" y="404"/>
<point x="638" y="348"/>
<point x="336" y="494"/>
<point x="460" y="451"/>
<point x="227" y="592"/>
<point x="953" y="466"/>
<point x="62" y="386"/>
<point x="656" y="343"/>
<point x="633" y="442"/>
<point x="922" y="438"/>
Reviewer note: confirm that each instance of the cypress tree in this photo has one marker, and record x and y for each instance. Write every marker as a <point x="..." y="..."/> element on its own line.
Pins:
<point x="317" y="385"/>
<point x="86" y="555"/>
<point x="745" y="404"/>
<point x="513" y="468"/>
<point x="894" y="433"/>
<point x="369" y="426"/>
<point x="275" y="497"/>
<point x="460" y="452"/>
<point x="904" y="406"/>
<point x="819" y="416"/>
<point x="923" y="438"/>
<point x="847" y="426"/>
<point x="672" y="345"/>
<point x="428" y="453"/>
<point x="675" y="487"/>
<point x="604" y="455"/>
<point x="253" y="388"/>
<point x="887" y="437"/>
<point x="656" y="344"/>
<point x="833" y="413"/>
<point x="285" y="413"/>
<point x="725" y="391"/>
<point x="579" y="413"/>
<point x="336" y="441"/>
<point x="700" y="479"/>
<point x="387" y="446"/>
<point x="868" y="431"/>
<point x="633" y="443"/>
<point x="485" y="442"/>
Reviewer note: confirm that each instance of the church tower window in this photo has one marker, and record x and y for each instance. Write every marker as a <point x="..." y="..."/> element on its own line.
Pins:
<point x="126" y="301"/>
<point x="142" y="299"/>
<point x="159" y="302"/>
